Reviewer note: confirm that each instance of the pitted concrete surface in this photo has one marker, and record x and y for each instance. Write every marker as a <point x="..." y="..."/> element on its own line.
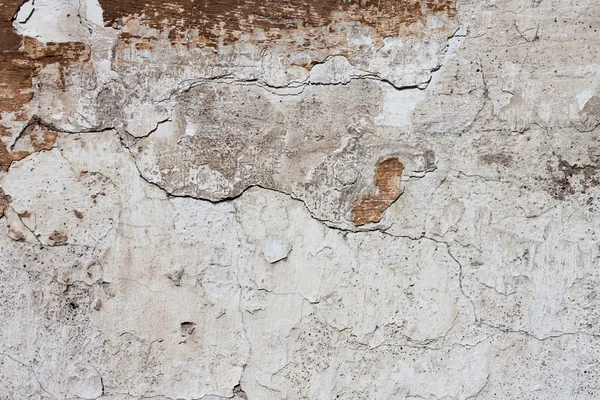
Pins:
<point x="299" y="199"/>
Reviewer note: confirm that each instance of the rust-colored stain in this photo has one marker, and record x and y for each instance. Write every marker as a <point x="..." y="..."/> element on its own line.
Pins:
<point x="224" y="21"/>
<point x="7" y="158"/>
<point x="3" y="202"/>
<point x="22" y="58"/>
<point x="66" y="276"/>
<point x="78" y="214"/>
<point x="46" y="142"/>
<point x="370" y="208"/>
<point x="34" y="139"/>
<point x="58" y="237"/>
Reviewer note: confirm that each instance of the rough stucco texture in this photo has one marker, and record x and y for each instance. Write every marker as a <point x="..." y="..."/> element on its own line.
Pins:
<point x="299" y="199"/>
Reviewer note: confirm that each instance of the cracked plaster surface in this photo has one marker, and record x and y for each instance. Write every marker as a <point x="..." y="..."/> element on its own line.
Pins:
<point x="299" y="200"/>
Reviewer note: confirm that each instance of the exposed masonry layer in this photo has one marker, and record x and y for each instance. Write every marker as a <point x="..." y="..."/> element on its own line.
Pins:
<point x="295" y="33"/>
<point x="22" y="58"/>
<point x="34" y="138"/>
<point x="224" y="21"/>
<point x="237" y="200"/>
<point x="370" y="208"/>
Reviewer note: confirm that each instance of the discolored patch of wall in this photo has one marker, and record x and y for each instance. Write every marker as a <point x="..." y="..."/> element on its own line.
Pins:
<point x="371" y="207"/>
<point x="279" y="42"/>
<point x="225" y="21"/>
<point x="22" y="58"/>
<point x="34" y="138"/>
<point x="3" y="202"/>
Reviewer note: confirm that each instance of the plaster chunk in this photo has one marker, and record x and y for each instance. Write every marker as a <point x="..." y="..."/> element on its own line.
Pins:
<point x="275" y="249"/>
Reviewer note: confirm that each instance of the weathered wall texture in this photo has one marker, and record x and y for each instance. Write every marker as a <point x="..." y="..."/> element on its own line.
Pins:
<point x="299" y="199"/>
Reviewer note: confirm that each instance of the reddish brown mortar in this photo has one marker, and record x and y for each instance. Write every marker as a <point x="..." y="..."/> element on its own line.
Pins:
<point x="370" y="208"/>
